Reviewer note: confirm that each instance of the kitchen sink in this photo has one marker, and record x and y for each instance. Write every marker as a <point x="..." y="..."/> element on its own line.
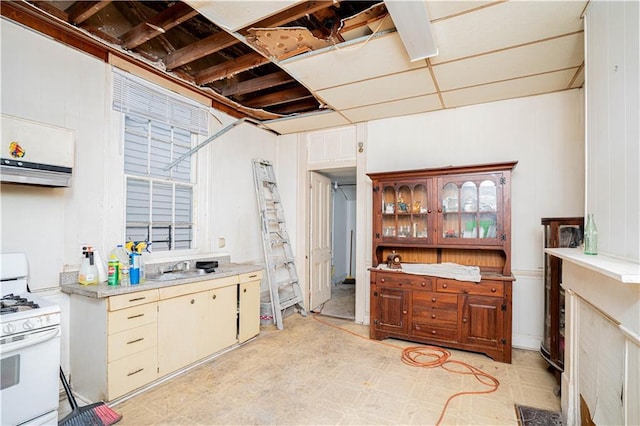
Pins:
<point x="177" y="275"/>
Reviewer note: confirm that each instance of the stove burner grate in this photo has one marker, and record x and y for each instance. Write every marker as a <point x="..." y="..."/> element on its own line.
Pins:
<point x="14" y="303"/>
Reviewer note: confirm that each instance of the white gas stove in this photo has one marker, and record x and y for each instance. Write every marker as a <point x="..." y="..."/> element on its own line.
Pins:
<point x="29" y="348"/>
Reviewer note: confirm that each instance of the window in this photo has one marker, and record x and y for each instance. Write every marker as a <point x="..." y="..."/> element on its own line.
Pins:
<point x="158" y="130"/>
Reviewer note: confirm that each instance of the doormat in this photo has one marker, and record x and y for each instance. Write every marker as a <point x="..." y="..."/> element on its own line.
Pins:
<point x="529" y="416"/>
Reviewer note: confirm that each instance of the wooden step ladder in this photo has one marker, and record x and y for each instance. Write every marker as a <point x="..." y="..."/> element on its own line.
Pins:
<point x="281" y="268"/>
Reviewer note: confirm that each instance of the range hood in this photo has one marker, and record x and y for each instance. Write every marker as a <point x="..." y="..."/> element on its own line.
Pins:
<point x="35" y="153"/>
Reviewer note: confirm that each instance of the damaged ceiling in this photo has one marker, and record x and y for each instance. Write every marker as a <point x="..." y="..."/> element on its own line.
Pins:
<point x="298" y="66"/>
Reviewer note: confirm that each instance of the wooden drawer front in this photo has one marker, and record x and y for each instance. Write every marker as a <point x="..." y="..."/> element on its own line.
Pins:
<point x="483" y="288"/>
<point x="435" y="332"/>
<point x="402" y="280"/>
<point x="431" y="300"/>
<point x="136" y="316"/>
<point x="128" y="300"/>
<point x="448" y="318"/>
<point x="132" y="372"/>
<point x="131" y="341"/>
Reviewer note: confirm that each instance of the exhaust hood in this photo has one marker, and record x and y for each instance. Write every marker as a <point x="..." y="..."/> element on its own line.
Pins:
<point x="35" y="153"/>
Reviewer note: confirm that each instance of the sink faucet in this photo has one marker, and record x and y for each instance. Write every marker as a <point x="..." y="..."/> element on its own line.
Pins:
<point x="181" y="266"/>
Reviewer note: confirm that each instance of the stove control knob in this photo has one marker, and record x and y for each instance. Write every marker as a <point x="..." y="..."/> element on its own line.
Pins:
<point x="9" y="328"/>
<point x="28" y="325"/>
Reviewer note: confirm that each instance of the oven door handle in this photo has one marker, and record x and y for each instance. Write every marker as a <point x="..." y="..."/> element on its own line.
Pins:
<point x="31" y="339"/>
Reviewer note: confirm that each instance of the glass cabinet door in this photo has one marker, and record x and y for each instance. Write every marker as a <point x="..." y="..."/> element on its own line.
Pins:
<point x="405" y="211"/>
<point x="469" y="209"/>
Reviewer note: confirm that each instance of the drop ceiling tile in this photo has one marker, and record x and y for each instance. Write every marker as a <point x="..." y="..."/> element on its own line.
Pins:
<point x="527" y="86"/>
<point x="442" y="9"/>
<point x="551" y="55"/>
<point x="369" y="59"/>
<point x="234" y="15"/>
<point x="579" y="81"/>
<point x="504" y="25"/>
<point x="394" y="109"/>
<point x="302" y="123"/>
<point x="397" y="86"/>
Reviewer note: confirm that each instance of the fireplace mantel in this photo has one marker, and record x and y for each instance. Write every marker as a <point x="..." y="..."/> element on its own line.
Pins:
<point x="602" y="353"/>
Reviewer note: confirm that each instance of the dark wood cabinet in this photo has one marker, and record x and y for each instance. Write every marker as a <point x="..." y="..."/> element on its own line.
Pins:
<point x="459" y="215"/>
<point x="557" y="232"/>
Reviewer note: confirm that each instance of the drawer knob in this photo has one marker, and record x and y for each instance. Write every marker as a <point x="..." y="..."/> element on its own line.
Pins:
<point x="433" y="315"/>
<point x="423" y="284"/>
<point x="444" y="286"/>
<point x="439" y="210"/>
<point x="493" y="289"/>
<point x="466" y="290"/>
<point x="404" y="312"/>
<point x="433" y="299"/>
<point x="433" y="332"/>
<point x="381" y="280"/>
<point x="464" y="320"/>
<point x="428" y="210"/>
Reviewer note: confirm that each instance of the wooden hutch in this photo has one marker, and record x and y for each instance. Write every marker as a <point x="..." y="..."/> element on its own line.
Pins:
<point x="459" y="215"/>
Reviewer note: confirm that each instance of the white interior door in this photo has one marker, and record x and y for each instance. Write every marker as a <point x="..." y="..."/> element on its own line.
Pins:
<point x="320" y="240"/>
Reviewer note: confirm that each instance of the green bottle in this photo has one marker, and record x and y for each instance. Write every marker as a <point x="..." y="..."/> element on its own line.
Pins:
<point x="590" y="236"/>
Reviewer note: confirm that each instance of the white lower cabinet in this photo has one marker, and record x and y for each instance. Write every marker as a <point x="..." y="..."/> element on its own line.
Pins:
<point x="121" y="343"/>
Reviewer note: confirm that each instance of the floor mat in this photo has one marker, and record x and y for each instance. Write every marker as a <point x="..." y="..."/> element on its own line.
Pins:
<point x="529" y="416"/>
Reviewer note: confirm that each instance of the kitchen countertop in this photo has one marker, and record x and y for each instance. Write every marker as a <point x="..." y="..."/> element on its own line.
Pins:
<point x="104" y="290"/>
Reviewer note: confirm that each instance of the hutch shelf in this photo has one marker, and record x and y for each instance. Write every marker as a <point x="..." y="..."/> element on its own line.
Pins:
<point x="459" y="215"/>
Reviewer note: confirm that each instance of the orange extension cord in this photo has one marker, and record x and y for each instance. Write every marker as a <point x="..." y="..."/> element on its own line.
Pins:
<point x="431" y="357"/>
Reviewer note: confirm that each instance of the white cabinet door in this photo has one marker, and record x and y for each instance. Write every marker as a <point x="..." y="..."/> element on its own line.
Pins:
<point x="217" y="324"/>
<point x="249" y="309"/>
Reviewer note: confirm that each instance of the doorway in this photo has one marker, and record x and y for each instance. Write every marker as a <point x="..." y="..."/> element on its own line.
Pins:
<point x="341" y="303"/>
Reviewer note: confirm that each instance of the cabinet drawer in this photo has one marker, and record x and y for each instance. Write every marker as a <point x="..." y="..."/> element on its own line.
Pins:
<point x="483" y="288"/>
<point x="131" y="341"/>
<point x="250" y="276"/>
<point x="431" y="300"/>
<point x="435" y="332"/>
<point x="196" y="287"/>
<point x="436" y="317"/>
<point x="123" y="301"/>
<point x="136" y="316"/>
<point x="404" y="280"/>
<point x="132" y="372"/>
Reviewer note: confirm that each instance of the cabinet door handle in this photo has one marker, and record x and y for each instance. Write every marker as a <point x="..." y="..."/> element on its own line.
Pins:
<point x="193" y="301"/>
<point x="433" y="316"/>
<point x="404" y="312"/>
<point x="444" y="286"/>
<point x="464" y="320"/>
<point x="381" y="280"/>
<point x="136" y="372"/>
<point x="136" y="341"/>
<point x="429" y="211"/>
<point x="244" y="291"/>
<point x="433" y="299"/>
<point x="135" y="316"/>
<point x="439" y="210"/>
<point x="214" y="296"/>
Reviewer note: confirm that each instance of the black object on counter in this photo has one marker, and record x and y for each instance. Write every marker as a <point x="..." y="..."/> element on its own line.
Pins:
<point x="208" y="266"/>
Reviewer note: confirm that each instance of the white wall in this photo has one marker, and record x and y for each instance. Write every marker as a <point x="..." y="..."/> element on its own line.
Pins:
<point x="543" y="133"/>
<point x="613" y="125"/>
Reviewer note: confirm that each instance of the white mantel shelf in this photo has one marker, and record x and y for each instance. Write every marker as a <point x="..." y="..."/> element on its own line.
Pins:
<point x="621" y="270"/>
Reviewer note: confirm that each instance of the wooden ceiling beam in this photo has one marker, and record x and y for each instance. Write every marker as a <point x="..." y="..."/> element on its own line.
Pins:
<point x="80" y="11"/>
<point x="259" y="83"/>
<point x="296" y="12"/>
<point x="157" y="25"/>
<point x="229" y="68"/>
<point x="277" y="98"/>
<point x="199" y="49"/>
<point x="50" y="9"/>
<point x="306" y="105"/>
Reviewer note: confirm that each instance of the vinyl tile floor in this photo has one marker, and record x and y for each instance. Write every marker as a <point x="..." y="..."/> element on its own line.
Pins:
<point x="313" y="373"/>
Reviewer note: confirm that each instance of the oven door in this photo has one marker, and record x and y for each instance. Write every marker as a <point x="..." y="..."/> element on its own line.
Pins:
<point x="30" y="372"/>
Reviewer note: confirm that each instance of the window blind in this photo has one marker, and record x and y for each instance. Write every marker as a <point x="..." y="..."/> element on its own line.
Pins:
<point x="134" y="95"/>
